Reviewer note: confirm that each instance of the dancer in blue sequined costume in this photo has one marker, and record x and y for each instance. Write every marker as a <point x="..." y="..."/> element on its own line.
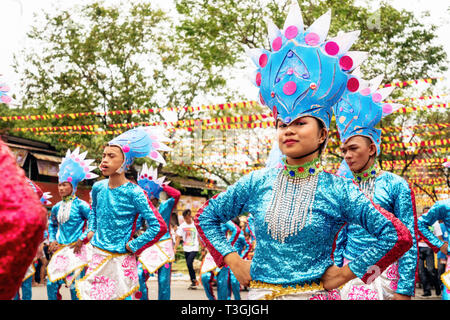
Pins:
<point x="357" y="114"/>
<point x="299" y="208"/>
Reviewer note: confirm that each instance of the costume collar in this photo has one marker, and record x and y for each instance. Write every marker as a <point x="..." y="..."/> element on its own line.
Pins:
<point x="305" y="170"/>
<point x="372" y="172"/>
<point x="69" y="198"/>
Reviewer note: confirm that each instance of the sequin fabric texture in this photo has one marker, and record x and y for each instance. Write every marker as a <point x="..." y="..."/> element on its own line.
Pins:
<point x="113" y="216"/>
<point x="302" y="257"/>
<point x="439" y="211"/>
<point x="392" y="193"/>
<point x="22" y="224"/>
<point x="71" y="230"/>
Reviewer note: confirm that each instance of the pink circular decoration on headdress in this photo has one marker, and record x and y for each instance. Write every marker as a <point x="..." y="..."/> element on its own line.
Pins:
<point x="387" y="108"/>
<point x="346" y="63"/>
<point x="263" y="60"/>
<point x="258" y="79"/>
<point x="331" y="48"/>
<point x="277" y="43"/>
<point x="352" y="84"/>
<point x="312" y="39"/>
<point x="154" y="155"/>
<point x="261" y="99"/>
<point x="69" y="179"/>
<point x="291" y="32"/>
<point x="86" y="169"/>
<point x="6" y="99"/>
<point x="275" y="112"/>
<point x="365" y="92"/>
<point x="4" y="88"/>
<point x="289" y="88"/>
<point x="126" y="148"/>
<point x="155" y="145"/>
<point x="376" y="97"/>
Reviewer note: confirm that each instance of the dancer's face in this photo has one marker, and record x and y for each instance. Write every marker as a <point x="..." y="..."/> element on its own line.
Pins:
<point x="112" y="160"/>
<point x="300" y="137"/>
<point x="357" y="150"/>
<point x="65" y="189"/>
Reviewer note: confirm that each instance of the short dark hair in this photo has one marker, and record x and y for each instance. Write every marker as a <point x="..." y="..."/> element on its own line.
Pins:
<point x="186" y="212"/>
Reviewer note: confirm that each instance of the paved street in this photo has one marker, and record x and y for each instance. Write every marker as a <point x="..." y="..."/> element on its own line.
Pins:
<point x="179" y="291"/>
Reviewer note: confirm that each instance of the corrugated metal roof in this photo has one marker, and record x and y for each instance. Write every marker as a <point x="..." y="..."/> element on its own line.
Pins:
<point x="46" y="157"/>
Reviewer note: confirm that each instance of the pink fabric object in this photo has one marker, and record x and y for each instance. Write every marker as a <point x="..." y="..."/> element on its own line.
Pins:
<point x="22" y="223"/>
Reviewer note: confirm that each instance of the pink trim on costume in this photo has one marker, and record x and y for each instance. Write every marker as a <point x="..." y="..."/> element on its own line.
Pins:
<point x="238" y="232"/>
<point x="404" y="241"/>
<point x="218" y="258"/>
<point x="334" y="241"/>
<point x="162" y="227"/>
<point x="416" y="231"/>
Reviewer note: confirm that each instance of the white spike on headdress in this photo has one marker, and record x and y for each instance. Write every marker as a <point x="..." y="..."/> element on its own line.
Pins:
<point x="321" y="26"/>
<point x="345" y="41"/>
<point x="272" y="31"/>
<point x="294" y="17"/>
<point x="254" y="55"/>
<point x="358" y="58"/>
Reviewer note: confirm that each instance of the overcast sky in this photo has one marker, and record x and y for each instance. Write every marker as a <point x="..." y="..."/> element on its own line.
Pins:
<point x="18" y="14"/>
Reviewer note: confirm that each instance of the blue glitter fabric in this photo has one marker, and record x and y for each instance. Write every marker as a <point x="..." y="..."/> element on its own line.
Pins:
<point x="71" y="230"/>
<point x="439" y="211"/>
<point x="113" y="216"/>
<point x="392" y="193"/>
<point x="303" y="257"/>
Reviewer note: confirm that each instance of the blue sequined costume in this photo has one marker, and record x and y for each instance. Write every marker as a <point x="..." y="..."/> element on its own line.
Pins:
<point x="303" y="257"/>
<point x="67" y="233"/>
<point x="439" y="211"/>
<point x="393" y="194"/>
<point x="114" y="214"/>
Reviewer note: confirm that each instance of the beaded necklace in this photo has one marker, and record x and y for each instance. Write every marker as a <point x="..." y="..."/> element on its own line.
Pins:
<point x="366" y="180"/>
<point x="64" y="209"/>
<point x="293" y="195"/>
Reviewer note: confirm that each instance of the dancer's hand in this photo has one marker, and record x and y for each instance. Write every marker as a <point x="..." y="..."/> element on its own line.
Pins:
<point x="334" y="277"/>
<point x="240" y="268"/>
<point x="77" y="246"/>
<point x="128" y="248"/>
<point x="444" y="248"/>
<point x="53" y="246"/>
<point x="90" y="235"/>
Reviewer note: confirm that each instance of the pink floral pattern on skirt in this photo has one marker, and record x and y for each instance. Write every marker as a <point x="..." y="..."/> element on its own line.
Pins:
<point x="130" y="268"/>
<point x="362" y="293"/>
<point x="61" y="263"/>
<point x="102" y="288"/>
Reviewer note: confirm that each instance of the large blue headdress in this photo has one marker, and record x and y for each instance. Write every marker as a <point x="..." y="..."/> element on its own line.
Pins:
<point x="357" y="113"/>
<point x="138" y="143"/>
<point x="149" y="181"/>
<point x="74" y="168"/>
<point x="304" y="74"/>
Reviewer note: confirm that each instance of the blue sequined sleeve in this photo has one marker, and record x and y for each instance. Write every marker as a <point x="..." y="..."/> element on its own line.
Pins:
<point x="156" y="226"/>
<point x="218" y="210"/>
<point x="85" y="211"/>
<point x="439" y="211"/>
<point x="393" y="238"/>
<point x="404" y="210"/>
<point x="92" y="222"/>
